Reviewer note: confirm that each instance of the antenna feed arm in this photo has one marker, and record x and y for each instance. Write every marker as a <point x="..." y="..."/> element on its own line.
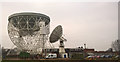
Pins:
<point x="63" y="39"/>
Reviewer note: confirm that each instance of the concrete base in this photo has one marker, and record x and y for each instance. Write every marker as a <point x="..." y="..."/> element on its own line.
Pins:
<point x="64" y="55"/>
<point x="61" y="50"/>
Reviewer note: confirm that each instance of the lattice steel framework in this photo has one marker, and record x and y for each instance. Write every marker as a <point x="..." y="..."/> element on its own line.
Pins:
<point x="25" y="30"/>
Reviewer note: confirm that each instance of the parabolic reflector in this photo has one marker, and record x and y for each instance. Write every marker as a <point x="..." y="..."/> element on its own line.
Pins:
<point x="56" y="34"/>
<point x="26" y="30"/>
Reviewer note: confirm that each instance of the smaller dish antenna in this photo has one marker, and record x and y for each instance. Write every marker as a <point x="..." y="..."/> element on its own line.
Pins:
<point x="56" y="34"/>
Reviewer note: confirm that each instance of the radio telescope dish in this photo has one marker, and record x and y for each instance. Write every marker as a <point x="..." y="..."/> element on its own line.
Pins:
<point x="28" y="31"/>
<point x="56" y="34"/>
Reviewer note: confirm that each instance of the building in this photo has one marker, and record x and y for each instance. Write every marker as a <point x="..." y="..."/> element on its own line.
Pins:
<point x="92" y="52"/>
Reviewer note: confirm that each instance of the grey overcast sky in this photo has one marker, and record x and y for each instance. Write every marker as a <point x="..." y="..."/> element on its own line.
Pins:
<point x="93" y="23"/>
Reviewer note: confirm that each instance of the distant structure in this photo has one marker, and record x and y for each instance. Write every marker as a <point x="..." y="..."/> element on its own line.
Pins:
<point x="85" y="46"/>
<point x="29" y="31"/>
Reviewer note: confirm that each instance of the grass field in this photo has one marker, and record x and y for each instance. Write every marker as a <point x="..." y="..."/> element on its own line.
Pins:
<point x="60" y="61"/>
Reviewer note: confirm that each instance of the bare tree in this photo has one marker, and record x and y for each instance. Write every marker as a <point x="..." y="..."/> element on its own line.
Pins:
<point x="116" y="45"/>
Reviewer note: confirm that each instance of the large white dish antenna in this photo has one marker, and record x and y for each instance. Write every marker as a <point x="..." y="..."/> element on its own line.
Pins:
<point x="26" y="30"/>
